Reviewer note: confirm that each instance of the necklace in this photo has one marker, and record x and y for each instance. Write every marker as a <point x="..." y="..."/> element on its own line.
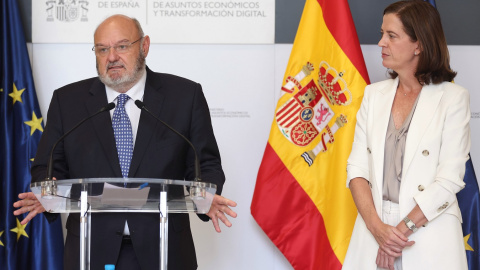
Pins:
<point x="404" y="93"/>
<point x="400" y="92"/>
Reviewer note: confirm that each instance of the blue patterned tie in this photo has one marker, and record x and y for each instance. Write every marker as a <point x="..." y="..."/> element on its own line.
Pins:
<point x="122" y="129"/>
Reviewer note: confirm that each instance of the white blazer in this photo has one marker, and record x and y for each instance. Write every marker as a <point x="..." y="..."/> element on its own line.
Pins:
<point x="437" y="147"/>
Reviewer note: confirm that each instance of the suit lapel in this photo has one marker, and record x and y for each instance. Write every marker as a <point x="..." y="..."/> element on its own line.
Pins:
<point x="147" y="126"/>
<point x="102" y="124"/>
<point x="428" y="101"/>
<point x="382" y="108"/>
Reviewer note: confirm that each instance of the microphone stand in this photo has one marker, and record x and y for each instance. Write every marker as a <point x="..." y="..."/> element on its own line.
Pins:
<point x="198" y="172"/>
<point x="107" y="107"/>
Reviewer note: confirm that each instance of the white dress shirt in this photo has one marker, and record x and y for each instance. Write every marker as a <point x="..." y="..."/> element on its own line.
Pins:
<point x="133" y="112"/>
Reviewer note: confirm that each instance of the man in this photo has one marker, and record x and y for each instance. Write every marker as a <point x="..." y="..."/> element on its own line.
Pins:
<point x="129" y="240"/>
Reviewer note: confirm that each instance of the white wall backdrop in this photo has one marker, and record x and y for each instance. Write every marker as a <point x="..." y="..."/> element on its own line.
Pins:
<point x="225" y="22"/>
<point x="241" y="83"/>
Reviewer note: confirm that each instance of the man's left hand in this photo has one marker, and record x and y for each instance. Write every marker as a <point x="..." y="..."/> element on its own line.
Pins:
<point x="219" y="210"/>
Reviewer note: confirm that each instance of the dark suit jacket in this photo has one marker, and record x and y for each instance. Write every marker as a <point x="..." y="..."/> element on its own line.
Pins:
<point x="90" y="152"/>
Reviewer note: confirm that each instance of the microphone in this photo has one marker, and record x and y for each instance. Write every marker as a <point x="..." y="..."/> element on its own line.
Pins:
<point x="106" y="108"/>
<point x="141" y="106"/>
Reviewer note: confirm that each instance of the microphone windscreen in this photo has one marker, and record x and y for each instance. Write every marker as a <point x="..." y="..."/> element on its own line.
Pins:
<point x="109" y="106"/>
<point x="139" y="104"/>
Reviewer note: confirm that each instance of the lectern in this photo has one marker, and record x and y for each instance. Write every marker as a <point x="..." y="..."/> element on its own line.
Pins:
<point x="141" y="195"/>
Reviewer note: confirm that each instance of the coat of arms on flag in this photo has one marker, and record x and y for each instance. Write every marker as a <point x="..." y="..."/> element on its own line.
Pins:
<point x="307" y="113"/>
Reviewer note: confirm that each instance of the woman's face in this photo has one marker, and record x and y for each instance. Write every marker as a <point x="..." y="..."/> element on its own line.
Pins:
<point x="398" y="50"/>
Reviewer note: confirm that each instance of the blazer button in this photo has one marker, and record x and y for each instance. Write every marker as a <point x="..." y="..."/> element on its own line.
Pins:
<point x="425" y="153"/>
<point x="421" y="188"/>
<point x="441" y="208"/>
<point x="369" y="151"/>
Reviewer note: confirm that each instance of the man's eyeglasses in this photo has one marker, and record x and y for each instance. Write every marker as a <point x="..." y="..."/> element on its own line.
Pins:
<point x="119" y="48"/>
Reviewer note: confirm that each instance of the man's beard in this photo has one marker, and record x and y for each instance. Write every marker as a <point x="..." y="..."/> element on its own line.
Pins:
<point x="128" y="79"/>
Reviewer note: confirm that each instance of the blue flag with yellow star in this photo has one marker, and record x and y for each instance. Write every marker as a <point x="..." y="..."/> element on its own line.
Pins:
<point x="469" y="202"/>
<point x="37" y="245"/>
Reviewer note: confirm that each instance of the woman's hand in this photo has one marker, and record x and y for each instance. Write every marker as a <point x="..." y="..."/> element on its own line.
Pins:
<point x="390" y="239"/>
<point x="28" y="203"/>
<point x="385" y="261"/>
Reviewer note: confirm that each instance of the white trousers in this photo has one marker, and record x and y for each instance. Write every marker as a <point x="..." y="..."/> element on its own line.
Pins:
<point x="391" y="216"/>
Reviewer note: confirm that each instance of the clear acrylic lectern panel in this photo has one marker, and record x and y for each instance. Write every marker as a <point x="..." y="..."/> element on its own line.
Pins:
<point x="124" y="195"/>
<point x="140" y="195"/>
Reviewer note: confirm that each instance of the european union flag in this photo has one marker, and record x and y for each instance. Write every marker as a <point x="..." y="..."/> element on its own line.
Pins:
<point x="37" y="245"/>
<point x="469" y="202"/>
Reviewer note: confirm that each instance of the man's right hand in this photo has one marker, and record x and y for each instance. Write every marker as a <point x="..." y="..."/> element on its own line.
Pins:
<point x="28" y="203"/>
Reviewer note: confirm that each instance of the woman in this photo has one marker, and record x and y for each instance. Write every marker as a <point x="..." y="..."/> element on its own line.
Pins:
<point x="412" y="140"/>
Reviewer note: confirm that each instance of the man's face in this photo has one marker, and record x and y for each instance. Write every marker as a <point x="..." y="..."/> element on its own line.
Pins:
<point x="120" y="69"/>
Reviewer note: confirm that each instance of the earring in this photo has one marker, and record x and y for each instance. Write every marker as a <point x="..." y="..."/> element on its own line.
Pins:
<point x="415" y="53"/>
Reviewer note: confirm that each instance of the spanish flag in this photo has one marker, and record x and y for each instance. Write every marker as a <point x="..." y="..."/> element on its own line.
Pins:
<point x="301" y="200"/>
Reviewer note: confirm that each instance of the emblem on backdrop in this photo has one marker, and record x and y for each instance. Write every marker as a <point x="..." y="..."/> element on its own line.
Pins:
<point x="67" y="10"/>
<point x="307" y="113"/>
